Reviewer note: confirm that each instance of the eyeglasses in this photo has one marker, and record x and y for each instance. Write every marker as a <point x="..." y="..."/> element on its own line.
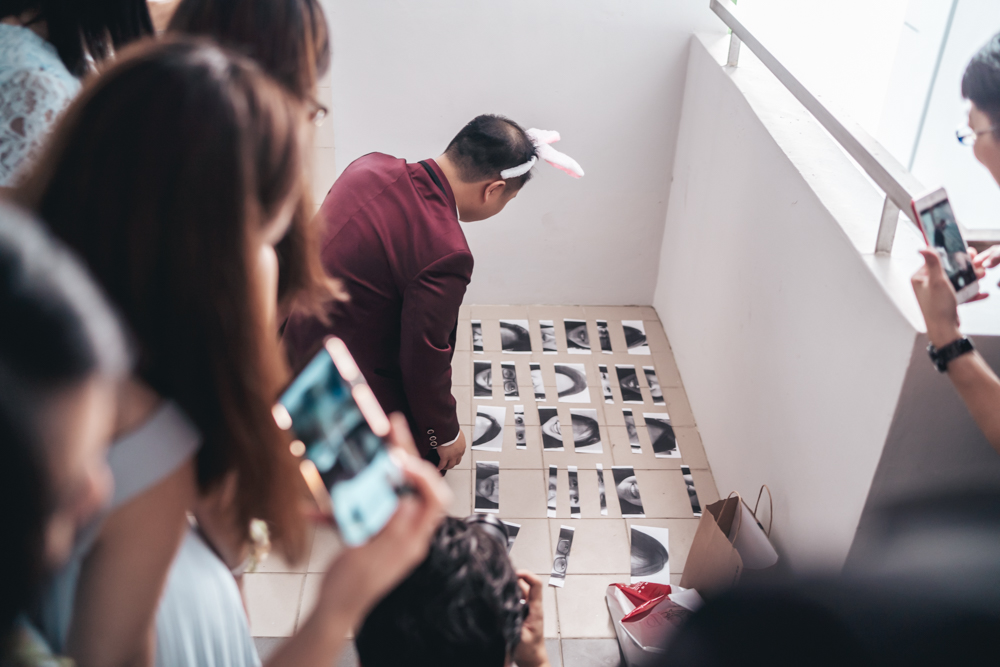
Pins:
<point x="317" y="112"/>
<point x="967" y="136"/>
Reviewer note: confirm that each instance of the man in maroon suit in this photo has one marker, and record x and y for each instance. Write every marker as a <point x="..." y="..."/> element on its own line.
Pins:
<point x="392" y="236"/>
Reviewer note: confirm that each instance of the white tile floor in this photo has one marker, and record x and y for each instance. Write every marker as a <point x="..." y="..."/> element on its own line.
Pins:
<point x="577" y="618"/>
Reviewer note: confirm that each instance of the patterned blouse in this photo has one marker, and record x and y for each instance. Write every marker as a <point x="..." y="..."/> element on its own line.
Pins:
<point x="35" y="88"/>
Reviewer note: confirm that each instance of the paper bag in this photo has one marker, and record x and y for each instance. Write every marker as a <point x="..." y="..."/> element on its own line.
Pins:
<point x="728" y="539"/>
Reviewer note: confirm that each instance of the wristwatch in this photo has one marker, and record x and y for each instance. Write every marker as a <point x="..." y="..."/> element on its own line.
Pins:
<point x="941" y="358"/>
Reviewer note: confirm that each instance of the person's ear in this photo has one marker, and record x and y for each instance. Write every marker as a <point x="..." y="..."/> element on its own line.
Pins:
<point x="494" y="191"/>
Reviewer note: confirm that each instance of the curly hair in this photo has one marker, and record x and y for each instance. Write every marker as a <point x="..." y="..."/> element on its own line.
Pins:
<point x="461" y="606"/>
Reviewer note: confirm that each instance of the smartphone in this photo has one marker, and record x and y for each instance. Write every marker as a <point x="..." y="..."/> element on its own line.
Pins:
<point x="941" y="232"/>
<point x="340" y="432"/>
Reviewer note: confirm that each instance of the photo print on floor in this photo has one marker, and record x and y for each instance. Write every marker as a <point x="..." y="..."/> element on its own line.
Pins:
<point x="650" y="555"/>
<point x="514" y="338"/>
<point x="536" y="381"/>
<point x="633" y="432"/>
<point x="552" y="440"/>
<point x="550" y="507"/>
<point x="477" y="336"/>
<point x="692" y="494"/>
<point x="574" y="492"/>
<point x="482" y="379"/>
<point x="512" y="530"/>
<point x="628" y="382"/>
<point x="602" y="333"/>
<point x="520" y="439"/>
<point x="548" y="330"/>
<point x="661" y="434"/>
<point x="600" y="490"/>
<point x="654" y="385"/>
<point x="487" y="434"/>
<point x="586" y="432"/>
<point x="487" y="486"/>
<point x="635" y="337"/>
<point x="627" y="489"/>
<point x="571" y="383"/>
<point x="509" y="375"/>
<point x="606" y="384"/>
<point x="577" y="337"/>
<point x="561" y="561"/>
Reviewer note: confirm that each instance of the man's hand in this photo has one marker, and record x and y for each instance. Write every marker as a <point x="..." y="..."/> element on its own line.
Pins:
<point x="530" y="652"/>
<point x="937" y="300"/>
<point x="452" y="455"/>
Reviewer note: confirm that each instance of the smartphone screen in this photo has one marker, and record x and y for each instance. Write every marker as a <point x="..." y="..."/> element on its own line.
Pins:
<point x="943" y="235"/>
<point x="351" y="459"/>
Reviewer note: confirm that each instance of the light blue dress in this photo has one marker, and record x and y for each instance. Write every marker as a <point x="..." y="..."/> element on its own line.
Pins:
<point x="201" y="621"/>
<point x="35" y="88"/>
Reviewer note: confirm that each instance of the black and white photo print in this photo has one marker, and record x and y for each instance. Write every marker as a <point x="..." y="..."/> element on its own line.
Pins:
<point x="628" y="382"/>
<point x="553" y="488"/>
<point x="577" y="338"/>
<point x="692" y="494"/>
<point x="602" y="332"/>
<point x="650" y="555"/>
<point x="627" y="489"/>
<point x="635" y="337"/>
<point x="606" y="384"/>
<point x="482" y="379"/>
<point x="487" y="434"/>
<point x="586" y="432"/>
<point x="574" y="492"/>
<point x="477" y="336"/>
<point x="571" y="383"/>
<point x="536" y="381"/>
<point x="520" y="439"/>
<point x="600" y="490"/>
<point x="661" y="434"/>
<point x="509" y="374"/>
<point x="548" y="330"/>
<point x="654" y="385"/>
<point x="514" y="336"/>
<point x="633" y="432"/>
<point x="561" y="561"/>
<point x="512" y="530"/>
<point x="552" y="439"/>
<point x="487" y="486"/>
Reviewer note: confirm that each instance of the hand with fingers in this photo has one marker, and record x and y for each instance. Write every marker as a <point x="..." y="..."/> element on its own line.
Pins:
<point x="530" y="652"/>
<point x="451" y="455"/>
<point x="986" y="259"/>
<point x="937" y="300"/>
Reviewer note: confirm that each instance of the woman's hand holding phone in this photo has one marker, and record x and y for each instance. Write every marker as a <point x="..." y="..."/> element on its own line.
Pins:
<point x="937" y="300"/>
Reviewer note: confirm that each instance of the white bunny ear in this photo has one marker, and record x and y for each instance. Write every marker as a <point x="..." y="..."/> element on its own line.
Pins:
<point x="542" y="140"/>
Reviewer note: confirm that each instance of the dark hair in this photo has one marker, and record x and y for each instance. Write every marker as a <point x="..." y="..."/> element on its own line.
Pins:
<point x="290" y="41"/>
<point x="981" y="81"/>
<point x="487" y="145"/>
<point x="461" y="606"/>
<point x="57" y="330"/>
<point x="82" y="28"/>
<point x="159" y="175"/>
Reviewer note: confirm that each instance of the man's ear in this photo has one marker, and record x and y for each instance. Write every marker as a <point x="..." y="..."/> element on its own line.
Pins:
<point x="494" y="191"/>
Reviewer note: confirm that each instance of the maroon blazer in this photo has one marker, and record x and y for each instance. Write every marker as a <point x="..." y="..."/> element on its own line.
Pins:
<point x="392" y="236"/>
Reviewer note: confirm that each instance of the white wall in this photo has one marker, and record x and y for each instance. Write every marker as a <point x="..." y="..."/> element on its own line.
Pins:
<point x="791" y="350"/>
<point x="608" y="74"/>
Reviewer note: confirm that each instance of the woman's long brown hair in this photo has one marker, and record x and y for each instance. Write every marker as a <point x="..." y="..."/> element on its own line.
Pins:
<point x="290" y="41"/>
<point x="160" y="176"/>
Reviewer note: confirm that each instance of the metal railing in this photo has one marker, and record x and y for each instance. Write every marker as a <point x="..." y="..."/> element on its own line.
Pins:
<point x="893" y="178"/>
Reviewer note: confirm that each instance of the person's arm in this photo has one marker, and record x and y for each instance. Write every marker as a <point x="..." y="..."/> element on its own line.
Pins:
<point x="975" y="382"/>
<point x="361" y="576"/>
<point x="123" y="576"/>
<point x="428" y="320"/>
<point x="530" y="651"/>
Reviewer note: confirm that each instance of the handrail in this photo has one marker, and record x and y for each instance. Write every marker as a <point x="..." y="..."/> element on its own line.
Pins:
<point x="899" y="185"/>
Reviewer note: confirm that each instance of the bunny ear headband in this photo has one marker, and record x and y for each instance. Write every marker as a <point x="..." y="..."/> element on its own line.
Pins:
<point x="542" y="140"/>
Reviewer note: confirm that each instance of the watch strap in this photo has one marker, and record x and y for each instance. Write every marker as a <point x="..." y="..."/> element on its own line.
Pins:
<point x="941" y="358"/>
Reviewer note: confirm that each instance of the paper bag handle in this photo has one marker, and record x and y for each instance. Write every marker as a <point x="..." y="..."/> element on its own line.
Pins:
<point x="770" y="514"/>
<point x="739" y="514"/>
